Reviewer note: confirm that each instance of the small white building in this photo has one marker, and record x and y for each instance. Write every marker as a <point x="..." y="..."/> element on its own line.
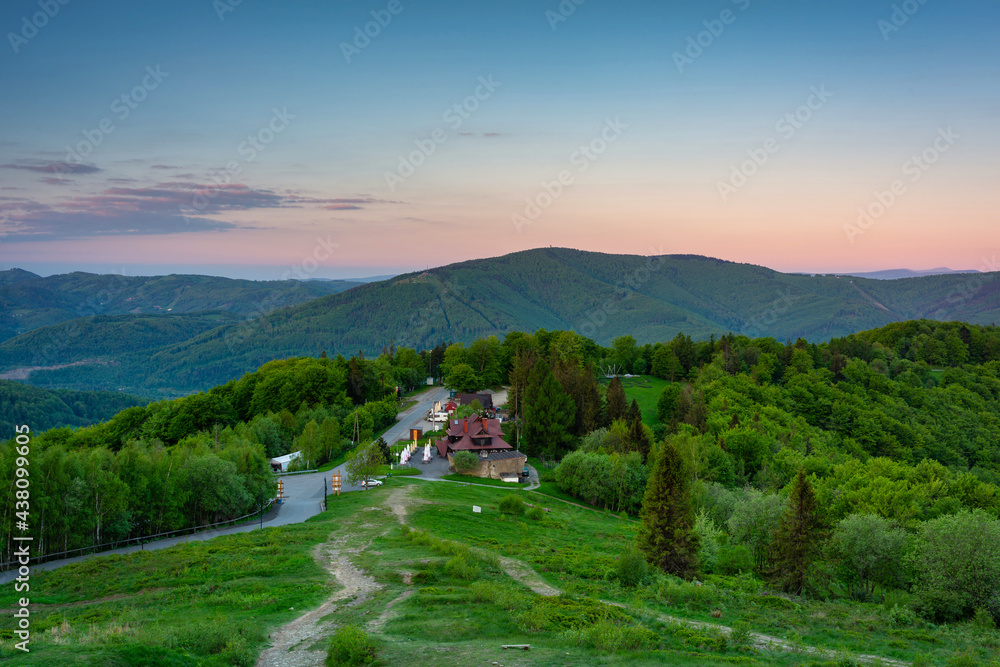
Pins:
<point x="280" y="463"/>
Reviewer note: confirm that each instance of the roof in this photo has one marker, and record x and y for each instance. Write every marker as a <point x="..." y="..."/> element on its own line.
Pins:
<point x="476" y="427"/>
<point x="286" y="458"/>
<point x="475" y="434"/>
<point x="485" y="400"/>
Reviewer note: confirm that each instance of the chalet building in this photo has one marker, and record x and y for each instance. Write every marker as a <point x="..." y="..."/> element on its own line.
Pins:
<point x="484" y="438"/>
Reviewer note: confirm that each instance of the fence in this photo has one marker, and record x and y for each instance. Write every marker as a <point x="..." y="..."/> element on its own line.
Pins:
<point x="109" y="546"/>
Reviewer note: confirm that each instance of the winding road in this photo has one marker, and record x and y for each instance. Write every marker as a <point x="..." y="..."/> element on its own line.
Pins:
<point x="303" y="495"/>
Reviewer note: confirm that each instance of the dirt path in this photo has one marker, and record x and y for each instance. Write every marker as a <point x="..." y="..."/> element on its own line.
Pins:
<point x="523" y="574"/>
<point x="377" y="624"/>
<point x="769" y="643"/>
<point x="291" y="644"/>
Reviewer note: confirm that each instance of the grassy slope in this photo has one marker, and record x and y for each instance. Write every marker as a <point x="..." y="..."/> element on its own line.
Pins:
<point x="646" y="390"/>
<point x="215" y="602"/>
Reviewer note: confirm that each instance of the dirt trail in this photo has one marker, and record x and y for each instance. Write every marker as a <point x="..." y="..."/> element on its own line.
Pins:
<point x="523" y="574"/>
<point x="376" y="625"/>
<point x="769" y="643"/>
<point x="290" y="644"/>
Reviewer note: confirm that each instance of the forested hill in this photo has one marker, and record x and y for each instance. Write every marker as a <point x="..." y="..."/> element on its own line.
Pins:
<point x="598" y="295"/>
<point x="29" y="301"/>
<point x="42" y="409"/>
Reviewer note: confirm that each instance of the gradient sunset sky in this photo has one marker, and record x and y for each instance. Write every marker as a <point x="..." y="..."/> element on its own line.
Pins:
<point x="668" y="97"/>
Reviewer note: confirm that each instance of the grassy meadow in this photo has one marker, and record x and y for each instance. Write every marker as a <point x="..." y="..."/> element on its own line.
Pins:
<point x="449" y="588"/>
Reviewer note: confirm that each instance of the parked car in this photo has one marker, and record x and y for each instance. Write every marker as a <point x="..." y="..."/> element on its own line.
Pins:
<point x="525" y="472"/>
<point x="371" y="482"/>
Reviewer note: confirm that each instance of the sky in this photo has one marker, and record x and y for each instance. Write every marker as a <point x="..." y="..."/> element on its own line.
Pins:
<point x="265" y="139"/>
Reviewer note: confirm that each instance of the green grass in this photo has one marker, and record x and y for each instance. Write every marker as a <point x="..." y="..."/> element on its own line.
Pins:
<point x="646" y="391"/>
<point x="443" y="598"/>
<point x="483" y="481"/>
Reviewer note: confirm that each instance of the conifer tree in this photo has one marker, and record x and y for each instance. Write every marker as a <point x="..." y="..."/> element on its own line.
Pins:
<point x="549" y="413"/>
<point x="667" y="536"/>
<point x="798" y="536"/>
<point x="616" y="406"/>
<point x="639" y="439"/>
<point x="634" y="413"/>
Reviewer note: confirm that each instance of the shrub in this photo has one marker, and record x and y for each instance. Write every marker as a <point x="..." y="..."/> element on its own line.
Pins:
<point x="902" y="616"/>
<point x="349" y="646"/>
<point x="465" y="462"/>
<point x="983" y="619"/>
<point x="741" y="635"/>
<point x="511" y="504"/>
<point x="631" y="569"/>
<point x="462" y="567"/>
<point x="607" y="636"/>
<point x="957" y="559"/>
<point x="734" y="559"/>
<point x="535" y="514"/>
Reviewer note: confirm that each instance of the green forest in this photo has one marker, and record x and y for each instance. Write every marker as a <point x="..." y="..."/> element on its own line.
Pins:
<point x="600" y="296"/>
<point x="861" y="468"/>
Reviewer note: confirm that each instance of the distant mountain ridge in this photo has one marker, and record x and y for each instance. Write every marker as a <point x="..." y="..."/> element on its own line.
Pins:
<point x="29" y="301"/>
<point x="599" y="295"/>
<point x="895" y="274"/>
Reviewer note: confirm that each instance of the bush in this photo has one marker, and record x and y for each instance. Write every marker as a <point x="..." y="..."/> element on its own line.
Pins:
<point x="902" y="616"/>
<point x="511" y="504"/>
<point x="983" y="620"/>
<point x="465" y="462"/>
<point x="741" y="635"/>
<point x="631" y="569"/>
<point x="535" y="514"/>
<point x="349" y="646"/>
<point x="957" y="559"/>
<point x="734" y="559"/>
<point x="462" y="567"/>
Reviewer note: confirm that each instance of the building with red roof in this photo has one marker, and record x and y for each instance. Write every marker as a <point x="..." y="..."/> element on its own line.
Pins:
<point x="483" y="437"/>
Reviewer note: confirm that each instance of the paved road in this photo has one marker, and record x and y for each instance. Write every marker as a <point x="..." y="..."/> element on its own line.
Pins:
<point x="303" y="495"/>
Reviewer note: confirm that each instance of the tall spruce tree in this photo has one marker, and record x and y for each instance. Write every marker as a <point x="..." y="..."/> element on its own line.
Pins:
<point x="634" y="413"/>
<point x="639" y="439"/>
<point x="667" y="536"/>
<point x="615" y="401"/>
<point x="798" y="536"/>
<point x="549" y="413"/>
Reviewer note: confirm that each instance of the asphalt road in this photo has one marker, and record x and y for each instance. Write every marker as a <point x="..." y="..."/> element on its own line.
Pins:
<point x="303" y="495"/>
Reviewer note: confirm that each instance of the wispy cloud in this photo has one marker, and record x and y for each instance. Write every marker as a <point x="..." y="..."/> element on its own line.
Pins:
<point x="42" y="167"/>
<point x="122" y="210"/>
<point x="53" y="180"/>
